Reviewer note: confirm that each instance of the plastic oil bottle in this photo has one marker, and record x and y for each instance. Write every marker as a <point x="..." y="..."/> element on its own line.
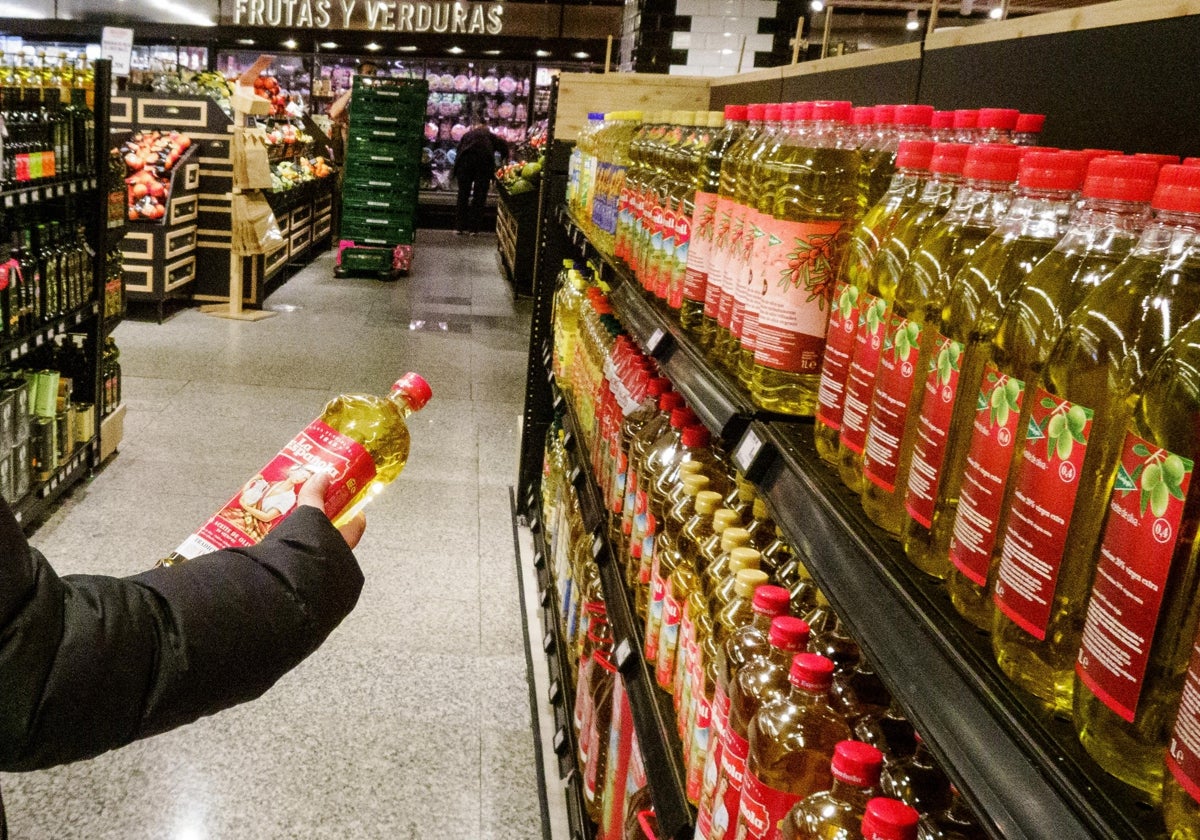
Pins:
<point x="1099" y="364"/>
<point x="889" y="819"/>
<point x="897" y="389"/>
<point x="704" y="218"/>
<point x="691" y="173"/>
<point x="1140" y="630"/>
<point x="664" y="565"/>
<point x="633" y="518"/>
<point x="873" y="304"/>
<point x="989" y="173"/>
<point x="817" y="204"/>
<point x="840" y="337"/>
<point x="1181" y="783"/>
<point x="683" y="579"/>
<point x="360" y="440"/>
<point x="1047" y="190"/>
<point x="837" y="813"/>
<point x="1099" y="235"/>
<point x="792" y="740"/>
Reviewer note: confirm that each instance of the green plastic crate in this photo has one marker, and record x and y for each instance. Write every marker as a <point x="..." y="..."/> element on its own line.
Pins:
<point x="366" y="259"/>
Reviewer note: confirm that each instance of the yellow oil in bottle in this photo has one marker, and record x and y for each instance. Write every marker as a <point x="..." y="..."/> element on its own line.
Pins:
<point x="890" y="426"/>
<point x="989" y="172"/>
<point x="1098" y="364"/>
<point x="720" y="572"/>
<point x="675" y="634"/>
<point x="666" y="561"/>
<point x="817" y="203"/>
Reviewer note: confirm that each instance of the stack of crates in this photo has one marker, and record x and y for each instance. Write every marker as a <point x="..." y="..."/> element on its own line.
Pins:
<point x="382" y="178"/>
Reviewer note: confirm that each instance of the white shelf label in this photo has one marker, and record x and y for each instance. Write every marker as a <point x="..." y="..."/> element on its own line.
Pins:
<point x="37" y="342"/>
<point x="22" y="198"/>
<point x="622" y="652"/>
<point x="655" y="340"/>
<point x="747" y="450"/>
<point x="24" y="347"/>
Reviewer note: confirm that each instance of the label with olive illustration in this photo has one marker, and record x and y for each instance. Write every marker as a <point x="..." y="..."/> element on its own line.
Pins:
<point x="839" y="347"/>
<point x="874" y="313"/>
<point x="998" y="410"/>
<point x="1136" y="548"/>
<point x="891" y="403"/>
<point x="1044" y="489"/>
<point x="929" y="450"/>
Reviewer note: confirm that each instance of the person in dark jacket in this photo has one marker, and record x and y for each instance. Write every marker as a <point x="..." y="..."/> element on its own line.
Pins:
<point x="91" y="663"/>
<point x="474" y="167"/>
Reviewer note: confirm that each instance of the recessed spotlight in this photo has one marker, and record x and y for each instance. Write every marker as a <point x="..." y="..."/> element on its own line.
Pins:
<point x="290" y="44"/>
<point x="817" y="6"/>
<point x="581" y="55"/>
<point x="996" y="13"/>
<point x="328" y="45"/>
<point x="913" y="23"/>
<point x="246" y="42"/>
<point x="542" y="53"/>
<point x="455" y="50"/>
<point x="373" y="46"/>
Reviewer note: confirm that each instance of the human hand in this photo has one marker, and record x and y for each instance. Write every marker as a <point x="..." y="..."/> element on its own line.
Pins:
<point x="312" y="493"/>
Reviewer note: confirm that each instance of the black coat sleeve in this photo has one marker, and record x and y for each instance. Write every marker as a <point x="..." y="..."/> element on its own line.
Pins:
<point x="90" y="663"/>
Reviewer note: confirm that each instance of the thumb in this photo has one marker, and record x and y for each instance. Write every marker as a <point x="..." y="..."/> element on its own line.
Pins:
<point x="312" y="492"/>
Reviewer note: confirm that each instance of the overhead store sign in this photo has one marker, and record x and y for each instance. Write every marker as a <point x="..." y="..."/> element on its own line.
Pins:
<point x="374" y="15"/>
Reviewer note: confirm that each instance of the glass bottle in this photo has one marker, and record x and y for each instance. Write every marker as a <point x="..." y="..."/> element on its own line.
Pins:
<point x="1099" y="364"/>
<point x="837" y="813"/>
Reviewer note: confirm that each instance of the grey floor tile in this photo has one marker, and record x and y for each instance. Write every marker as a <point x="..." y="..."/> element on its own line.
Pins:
<point x="412" y="721"/>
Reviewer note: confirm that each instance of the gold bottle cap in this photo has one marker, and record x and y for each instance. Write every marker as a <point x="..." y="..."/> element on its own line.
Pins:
<point x="725" y="518"/>
<point x="716" y="119"/>
<point x="707" y="501"/>
<point x="734" y="536"/>
<point x="689" y="468"/>
<point x="693" y="484"/>
<point x="748" y="580"/>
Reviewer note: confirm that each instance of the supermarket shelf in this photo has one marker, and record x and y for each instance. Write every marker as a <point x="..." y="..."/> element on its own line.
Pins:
<point x="23" y="196"/>
<point x="12" y="351"/>
<point x="1020" y="767"/>
<point x="653" y="713"/>
<point x="38" y="502"/>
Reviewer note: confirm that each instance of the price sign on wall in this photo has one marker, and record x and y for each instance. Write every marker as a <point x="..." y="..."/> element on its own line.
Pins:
<point x="116" y="44"/>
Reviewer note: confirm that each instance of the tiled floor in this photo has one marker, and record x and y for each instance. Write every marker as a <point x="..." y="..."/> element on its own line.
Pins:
<point x="413" y="720"/>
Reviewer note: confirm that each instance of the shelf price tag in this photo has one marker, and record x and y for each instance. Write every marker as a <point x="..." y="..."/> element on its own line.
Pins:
<point x="747" y="451"/>
<point x="8" y="201"/>
<point x="22" y="198"/>
<point x="548" y="642"/>
<point x="554" y="695"/>
<point x="13" y="354"/>
<point x="59" y="191"/>
<point x="560" y="740"/>
<point x="539" y="560"/>
<point x="24" y="347"/>
<point x="654" y="344"/>
<point x="37" y="341"/>
<point x="568" y="441"/>
<point x="621" y="654"/>
<point x="597" y="547"/>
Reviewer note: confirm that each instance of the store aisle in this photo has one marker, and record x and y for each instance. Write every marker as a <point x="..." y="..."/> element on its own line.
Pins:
<point x="413" y="720"/>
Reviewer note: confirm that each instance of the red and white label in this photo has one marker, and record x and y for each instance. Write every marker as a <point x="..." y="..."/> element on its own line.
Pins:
<point x="265" y="500"/>
<point x="695" y="281"/>
<point x="734" y="751"/>
<point x="1183" y="750"/>
<point x="891" y="403"/>
<point x="993" y="436"/>
<point x="732" y="264"/>
<point x="860" y="383"/>
<point x="839" y="345"/>
<point x="699" y="754"/>
<point x="933" y="427"/>
<point x="668" y="642"/>
<point x="718" y="255"/>
<point x="800" y="269"/>
<point x="762" y="810"/>
<point x="1140" y="535"/>
<point x="1045" y="485"/>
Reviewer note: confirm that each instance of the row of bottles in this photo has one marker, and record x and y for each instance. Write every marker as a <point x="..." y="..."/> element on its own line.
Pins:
<point x="48" y="126"/>
<point x="765" y="683"/>
<point x="1009" y="401"/>
<point x="46" y="269"/>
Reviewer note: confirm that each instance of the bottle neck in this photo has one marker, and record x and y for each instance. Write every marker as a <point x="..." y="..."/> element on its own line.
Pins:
<point x="851" y="793"/>
<point x="1170" y="235"/>
<point x="981" y="203"/>
<point x="401" y="400"/>
<point x="1037" y="214"/>
<point x="1098" y="223"/>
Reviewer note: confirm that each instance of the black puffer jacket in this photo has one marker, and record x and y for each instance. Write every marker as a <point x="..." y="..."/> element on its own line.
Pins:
<point x="89" y="663"/>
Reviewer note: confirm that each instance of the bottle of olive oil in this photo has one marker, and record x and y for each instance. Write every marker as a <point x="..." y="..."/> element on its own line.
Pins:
<point x="1060" y="498"/>
<point x="988" y="177"/>
<point x="817" y="204"/>
<point x="890" y="421"/>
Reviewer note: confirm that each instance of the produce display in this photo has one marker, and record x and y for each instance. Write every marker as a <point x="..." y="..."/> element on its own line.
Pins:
<point x="289" y="173"/>
<point x="150" y="157"/>
<point x="518" y="178"/>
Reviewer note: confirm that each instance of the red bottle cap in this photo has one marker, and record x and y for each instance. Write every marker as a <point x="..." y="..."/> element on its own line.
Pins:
<point x="1191" y="161"/>
<point x="914" y="154"/>
<point x="658" y="386"/>
<point x="949" y="158"/>
<point x="885" y="114"/>
<point x="1004" y="119"/>
<point x="771" y="600"/>
<point x="696" y="435"/>
<point x="857" y="763"/>
<point x="1163" y="160"/>
<point x="735" y="113"/>
<point x="827" y="111"/>
<point x="992" y="162"/>
<point x="670" y="401"/>
<point x="772" y="112"/>
<point x="1041" y="170"/>
<point x="942" y="119"/>
<point x="787" y="112"/>
<point x="966" y="118"/>
<point x="1178" y="189"/>
<point x="914" y="114"/>
<point x="889" y="819"/>
<point x="803" y="111"/>
<point x="682" y="417"/>
<point x="788" y="633"/>
<point x="415" y="388"/>
<point x="1030" y="123"/>
<point x="1120" y="179"/>
<point x="863" y="115"/>
<point x="755" y="112"/>
<point x="812" y="672"/>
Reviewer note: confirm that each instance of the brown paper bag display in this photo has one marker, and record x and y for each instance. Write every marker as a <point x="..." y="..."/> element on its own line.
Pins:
<point x="251" y="167"/>
<point x="255" y="230"/>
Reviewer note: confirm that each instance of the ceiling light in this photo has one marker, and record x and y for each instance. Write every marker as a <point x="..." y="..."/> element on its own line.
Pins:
<point x="817" y="6"/>
<point x="408" y="48"/>
<point x="542" y="53"/>
<point x="455" y="50"/>
<point x="246" y="42"/>
<point x="996" y="13"/>
<point x="373" y="46"/>
<point x="290" y="44"/>
<point x="581" y="55"/>
<point x="328" y="45"/>
<point x="913" y="23"/>
<point x="491" y="52"/>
